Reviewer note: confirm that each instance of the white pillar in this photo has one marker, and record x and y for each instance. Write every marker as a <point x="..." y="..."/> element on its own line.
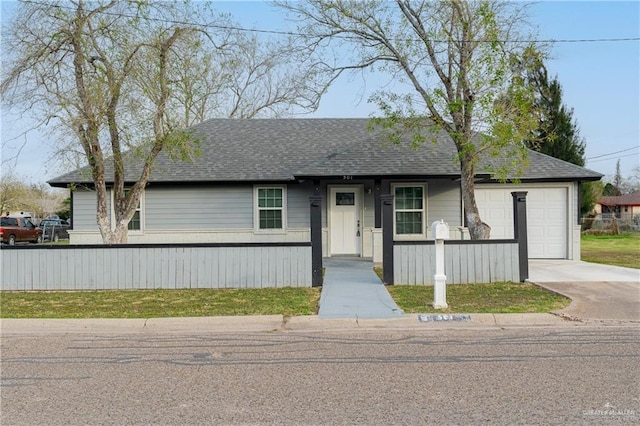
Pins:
<point x="440" y="232"/>
<point x="440" y="279"/>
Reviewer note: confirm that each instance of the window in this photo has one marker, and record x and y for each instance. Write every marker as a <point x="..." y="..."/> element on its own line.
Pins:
<point x="9" y="221"/>
<point x="135" y="224"/>
<point x="345" y="198"/>
<point x="409" y="210"/>
<point x="137" y="221"/>
<point x="270" y="208"/>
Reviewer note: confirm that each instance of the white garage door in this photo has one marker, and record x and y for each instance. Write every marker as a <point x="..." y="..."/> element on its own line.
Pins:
<point x="546" y="218"/>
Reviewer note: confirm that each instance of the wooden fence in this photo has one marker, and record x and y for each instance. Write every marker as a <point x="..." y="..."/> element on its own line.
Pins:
<point x="469" y="261"/>
<point x="150" y="266"/>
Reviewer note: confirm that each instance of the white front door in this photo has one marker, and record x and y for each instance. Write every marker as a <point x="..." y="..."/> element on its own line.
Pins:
<point x="345" y="227"/>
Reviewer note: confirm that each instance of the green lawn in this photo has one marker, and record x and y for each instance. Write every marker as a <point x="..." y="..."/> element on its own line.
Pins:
<point x="620" y="250"/>
<point x="504" y="297"/>
<point x="159" y="303"/>
<point x="496" y="298"/>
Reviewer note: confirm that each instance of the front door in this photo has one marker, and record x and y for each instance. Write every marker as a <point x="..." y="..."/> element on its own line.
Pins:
<point x="345" y="225"/>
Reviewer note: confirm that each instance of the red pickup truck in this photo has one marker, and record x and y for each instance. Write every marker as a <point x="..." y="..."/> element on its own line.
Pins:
<point x="16" y="229"/>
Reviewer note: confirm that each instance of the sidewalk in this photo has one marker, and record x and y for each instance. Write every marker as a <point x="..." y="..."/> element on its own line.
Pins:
<point x="270" y="323"/>
<point x="351" y="289"/>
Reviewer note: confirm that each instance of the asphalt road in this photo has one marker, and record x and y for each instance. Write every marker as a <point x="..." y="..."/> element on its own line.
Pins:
<point x="575" y="375"/>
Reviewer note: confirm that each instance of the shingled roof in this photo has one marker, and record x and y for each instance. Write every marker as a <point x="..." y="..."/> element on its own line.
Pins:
<point x="287" y="149"/>
<point x="632" y="199"/>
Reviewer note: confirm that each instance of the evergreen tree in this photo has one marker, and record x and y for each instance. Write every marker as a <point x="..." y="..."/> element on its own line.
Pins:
<point x="558" y="134"/>
<point x="618" y="181"/>
<point x="610" y="190"/>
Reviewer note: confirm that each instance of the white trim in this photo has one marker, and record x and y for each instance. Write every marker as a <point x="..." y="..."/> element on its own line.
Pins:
<point x="358" y="189"/>
<point x="198" y="235"/>
<point x="256" y="210"/>
<point x="425" y="211"/>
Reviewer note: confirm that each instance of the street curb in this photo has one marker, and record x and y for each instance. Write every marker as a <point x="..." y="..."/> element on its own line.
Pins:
<point x="257" y="323"/>
<point x="270" y="323"/>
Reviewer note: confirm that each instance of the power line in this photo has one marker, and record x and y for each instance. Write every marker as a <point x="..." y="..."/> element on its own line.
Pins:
<point x="291" y="33"/>
<point x="613" y="158"/>
<point x="612" y="153"/>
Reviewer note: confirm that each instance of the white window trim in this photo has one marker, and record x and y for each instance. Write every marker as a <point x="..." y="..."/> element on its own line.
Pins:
<point x="142" y="215"/>
<point x="423" y="234"/>
<point x="256" y="210"/>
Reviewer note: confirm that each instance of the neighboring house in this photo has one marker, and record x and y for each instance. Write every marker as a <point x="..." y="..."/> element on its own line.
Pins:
<point x="254" y="178"/>
<point x="623" y="207"/>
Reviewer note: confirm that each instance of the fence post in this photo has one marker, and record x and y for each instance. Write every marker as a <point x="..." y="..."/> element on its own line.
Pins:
<point x="387" y="238"/>
<point x="520" y="231"/>
<point x="316" y="240"/>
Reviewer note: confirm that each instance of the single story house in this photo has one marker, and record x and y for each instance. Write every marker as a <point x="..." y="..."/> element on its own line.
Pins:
<point x="254" y="178"/>
<point x="623" y="207"/>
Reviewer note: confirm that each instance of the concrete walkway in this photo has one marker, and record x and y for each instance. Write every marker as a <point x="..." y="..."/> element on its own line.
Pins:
<point x="352" y="290"/>
<point x="541" y="271"/>
<point x="597" y="292"/>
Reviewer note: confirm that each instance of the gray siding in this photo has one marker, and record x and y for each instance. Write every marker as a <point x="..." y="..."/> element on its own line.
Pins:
<point x="152" y="267"/>
<point x="465" y="263"/>
<point x="298" y="208"/>
<point x="225" y="207"/>
<point x="84" y="210"/>
<point x="232" y="206"/>
<point x="444" y="202"/>
<point x="219" y="207"/>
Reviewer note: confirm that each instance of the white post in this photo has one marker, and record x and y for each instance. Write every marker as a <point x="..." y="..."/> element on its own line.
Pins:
<point x="440" y="231"/>
<point x="440" y="279"/>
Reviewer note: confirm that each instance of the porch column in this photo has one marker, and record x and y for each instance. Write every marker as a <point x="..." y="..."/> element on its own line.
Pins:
<point x="316" y="240"/>
<point x="387" y="238"/>
<point x="520" y="231"/>
<point x="377" y="203"/>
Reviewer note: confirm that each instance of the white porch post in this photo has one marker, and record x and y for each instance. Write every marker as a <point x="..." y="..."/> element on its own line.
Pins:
<point x="440" y="231"/>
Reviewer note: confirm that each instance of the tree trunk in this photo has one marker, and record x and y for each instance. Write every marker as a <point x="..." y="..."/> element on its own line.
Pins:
<point x="477" y="228"/>
<point x="117" y="235"/>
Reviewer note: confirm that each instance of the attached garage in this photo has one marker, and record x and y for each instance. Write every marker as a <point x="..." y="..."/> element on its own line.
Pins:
<point x="548" y="216"/>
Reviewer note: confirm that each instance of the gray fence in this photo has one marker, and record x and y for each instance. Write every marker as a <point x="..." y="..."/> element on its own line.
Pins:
<point x="466" y="262"/>
<point x="156" y="266"/>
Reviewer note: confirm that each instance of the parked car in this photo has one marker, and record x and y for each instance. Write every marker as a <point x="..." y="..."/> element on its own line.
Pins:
<point x="18" y="229"/>
<point x="54" y="229"/>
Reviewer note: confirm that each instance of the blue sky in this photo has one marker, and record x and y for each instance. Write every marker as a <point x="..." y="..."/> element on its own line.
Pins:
<point x="600" y="81"/>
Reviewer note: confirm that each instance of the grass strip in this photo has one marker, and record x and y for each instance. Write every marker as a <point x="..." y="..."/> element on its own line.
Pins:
<point x="468" y="298"/>
<point x="159" y="303"/>
<point x="502" y="297"/>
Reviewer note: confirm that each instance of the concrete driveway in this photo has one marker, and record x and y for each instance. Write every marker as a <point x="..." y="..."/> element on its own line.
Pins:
<point x="598" y="292"/>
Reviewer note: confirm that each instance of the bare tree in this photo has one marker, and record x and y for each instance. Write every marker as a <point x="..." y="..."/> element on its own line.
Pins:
<point x="18" y="196"/>
<point x="457" y="61"/>
<point x="253" y="77"/>
<point x="120" y="78"/>
<point x="632" y="184"/>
